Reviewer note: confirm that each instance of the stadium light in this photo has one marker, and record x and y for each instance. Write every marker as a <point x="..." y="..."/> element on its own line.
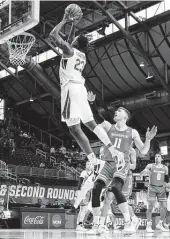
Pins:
<point x="142" y="64"/>
<point x="31" y="99"/>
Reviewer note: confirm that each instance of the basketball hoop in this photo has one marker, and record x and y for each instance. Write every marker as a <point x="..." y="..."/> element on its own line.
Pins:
<point x="19" y="46"/>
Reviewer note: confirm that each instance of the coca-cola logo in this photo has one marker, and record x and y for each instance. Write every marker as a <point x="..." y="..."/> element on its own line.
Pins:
<point x="38" y="220"/>
<point x="56" y="220"/>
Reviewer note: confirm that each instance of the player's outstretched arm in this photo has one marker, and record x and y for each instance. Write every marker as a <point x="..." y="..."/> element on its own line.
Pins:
<point x="146" y="171"/>
<point x="57" y="39"/>
<point x="72" y="33"/>
<point x="144" y="147"/>
<point x="98" y="118"/>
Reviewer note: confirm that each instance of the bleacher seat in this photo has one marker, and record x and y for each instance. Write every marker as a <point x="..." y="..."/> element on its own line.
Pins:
<point x="39" y="172"/>
<point x="51" y="173"/>
<point x="23" y="170"/>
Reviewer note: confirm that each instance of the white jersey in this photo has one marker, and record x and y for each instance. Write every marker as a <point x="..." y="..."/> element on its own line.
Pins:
<point x="71" y="68"/>
<point x="86" y="175"/>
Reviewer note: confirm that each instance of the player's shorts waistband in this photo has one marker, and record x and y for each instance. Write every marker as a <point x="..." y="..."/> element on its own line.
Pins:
<point x="73" y="82"/>
<point x="156" y="185"/>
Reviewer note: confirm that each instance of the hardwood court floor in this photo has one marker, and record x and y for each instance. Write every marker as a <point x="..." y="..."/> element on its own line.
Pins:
<point x="71" y="234"/>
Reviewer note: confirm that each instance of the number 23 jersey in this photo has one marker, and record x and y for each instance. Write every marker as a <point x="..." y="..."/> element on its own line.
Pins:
<point x="71" y="68"/>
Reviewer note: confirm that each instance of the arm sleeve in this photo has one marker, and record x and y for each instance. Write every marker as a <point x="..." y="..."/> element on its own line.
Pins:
<point x="167" y="175"/>
<point x="167" y="178"/>
<point x="98" y="118"/>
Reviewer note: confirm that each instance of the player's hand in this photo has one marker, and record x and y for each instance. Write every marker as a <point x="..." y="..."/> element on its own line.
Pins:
<point x="167" y="186"/>
<point x="150" y="134"/>
<point x="117" y="153"/>
<point x="68" y="18"/>
<point x="90" y="96"/>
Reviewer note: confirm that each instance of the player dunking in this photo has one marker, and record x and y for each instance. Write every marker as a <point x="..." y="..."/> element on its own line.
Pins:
<point x="122" y="138"/>
<point x="158" y="174"/>
<point x="74" y="104"/>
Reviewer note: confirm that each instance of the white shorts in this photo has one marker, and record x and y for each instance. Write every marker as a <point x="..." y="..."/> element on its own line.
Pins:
<point x="74" y="104"/>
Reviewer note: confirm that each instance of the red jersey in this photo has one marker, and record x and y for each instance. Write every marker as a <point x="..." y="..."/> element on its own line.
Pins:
<point x="121" y="140"/>
<point x="157" y="175"/>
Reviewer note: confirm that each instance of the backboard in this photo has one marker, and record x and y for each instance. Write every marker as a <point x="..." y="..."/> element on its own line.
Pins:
<point x="17" y="17"/>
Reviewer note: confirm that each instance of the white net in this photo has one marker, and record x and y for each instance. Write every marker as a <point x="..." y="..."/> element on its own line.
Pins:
<point x="19" y="46"/>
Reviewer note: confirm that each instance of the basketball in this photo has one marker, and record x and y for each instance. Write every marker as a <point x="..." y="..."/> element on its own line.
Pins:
<point x="74" y="11"/>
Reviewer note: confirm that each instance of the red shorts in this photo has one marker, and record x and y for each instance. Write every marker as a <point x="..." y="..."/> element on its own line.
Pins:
<point x="122" y="172"/>
<point x="156" y="192"/>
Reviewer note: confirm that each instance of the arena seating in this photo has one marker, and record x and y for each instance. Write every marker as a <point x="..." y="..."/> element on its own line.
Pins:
<point x="33" y="158"/>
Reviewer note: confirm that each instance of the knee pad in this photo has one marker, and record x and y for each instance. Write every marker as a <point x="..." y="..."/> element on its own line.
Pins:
<point x="117" y="190"/>
<point x="97" y="189"/>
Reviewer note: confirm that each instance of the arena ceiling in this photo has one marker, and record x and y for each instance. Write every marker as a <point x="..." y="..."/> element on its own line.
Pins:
<point x="113" y="70"/>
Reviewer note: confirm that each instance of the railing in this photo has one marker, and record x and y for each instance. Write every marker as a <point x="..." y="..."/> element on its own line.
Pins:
<point x="62" y="171"/>
<point x="53" y="161"/>
<point x="4" y="172"/>
<point x="42" y="153"/>
<point x="11" y="176"/>
<point x="40" y="134"/>
<point x="71" y="172"/>
<point x="76" y="171"/>
<point x="3" y="169"/>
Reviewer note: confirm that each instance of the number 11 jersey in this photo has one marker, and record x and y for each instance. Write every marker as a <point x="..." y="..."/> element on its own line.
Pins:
<point x="121" y="140"/>
<point x="71" y="68"/>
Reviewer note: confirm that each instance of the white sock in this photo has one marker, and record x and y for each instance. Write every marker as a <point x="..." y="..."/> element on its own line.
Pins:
<point x="160" y="222"/>
<point x="134" y="218"/>
<point x="124" y="208"/>
<point x="96" y="220"/>
<point x="126" y="217"/>
<point x="102" y="135"/>
<point x="102" y="220"/>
